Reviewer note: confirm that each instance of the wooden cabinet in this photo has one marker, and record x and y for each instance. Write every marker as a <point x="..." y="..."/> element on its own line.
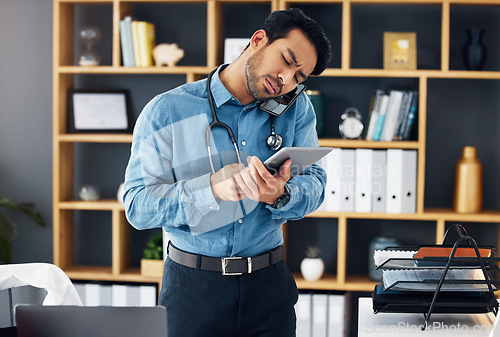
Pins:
<point x="211" y="23"/>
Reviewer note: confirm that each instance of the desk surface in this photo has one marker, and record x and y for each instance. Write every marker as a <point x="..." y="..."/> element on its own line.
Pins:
<point x="395" y="324"/>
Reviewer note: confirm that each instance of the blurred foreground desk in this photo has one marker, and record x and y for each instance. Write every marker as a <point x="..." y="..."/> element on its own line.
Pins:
<point x="396" y="324"/>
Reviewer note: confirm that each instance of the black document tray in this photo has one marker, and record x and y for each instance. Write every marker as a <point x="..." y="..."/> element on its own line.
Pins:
<point x="471" y="302"/>
<point x="450" y="302"/>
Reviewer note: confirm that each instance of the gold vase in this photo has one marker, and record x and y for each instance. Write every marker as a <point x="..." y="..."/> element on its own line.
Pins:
<point x="468" y="197"/>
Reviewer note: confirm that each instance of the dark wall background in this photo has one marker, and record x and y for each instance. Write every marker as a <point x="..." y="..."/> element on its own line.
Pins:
<point x="460" y="112"/>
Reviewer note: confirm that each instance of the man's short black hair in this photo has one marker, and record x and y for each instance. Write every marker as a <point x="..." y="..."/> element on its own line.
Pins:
<point x="279" y="23"/>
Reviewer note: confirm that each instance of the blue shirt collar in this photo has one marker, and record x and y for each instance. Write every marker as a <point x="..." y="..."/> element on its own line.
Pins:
<point x="220" y="93"/>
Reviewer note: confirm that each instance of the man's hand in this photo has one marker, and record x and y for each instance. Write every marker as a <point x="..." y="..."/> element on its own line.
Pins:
<point x="258" y="184"/>
<point x="223" y="184"/>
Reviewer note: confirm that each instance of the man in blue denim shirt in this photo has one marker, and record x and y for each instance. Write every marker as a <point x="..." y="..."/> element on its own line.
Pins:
<point x="216" y="209"/>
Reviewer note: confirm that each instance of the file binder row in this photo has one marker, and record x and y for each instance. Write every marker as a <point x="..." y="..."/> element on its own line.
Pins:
<point x="369" y="180"/>
<point x="117" y="294"/>
<point x="322" y="315"/>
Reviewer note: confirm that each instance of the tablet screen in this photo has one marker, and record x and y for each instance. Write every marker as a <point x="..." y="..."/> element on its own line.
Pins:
<point x="302" y="158"/>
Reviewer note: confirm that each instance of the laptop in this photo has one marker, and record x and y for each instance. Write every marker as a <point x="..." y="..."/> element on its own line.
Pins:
<point x="85" y="321"/>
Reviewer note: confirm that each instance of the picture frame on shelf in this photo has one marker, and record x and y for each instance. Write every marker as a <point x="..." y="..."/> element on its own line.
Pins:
<point x="400" y="50"/>
<point x="99" y="111"/>
<point x="233" y="47"/>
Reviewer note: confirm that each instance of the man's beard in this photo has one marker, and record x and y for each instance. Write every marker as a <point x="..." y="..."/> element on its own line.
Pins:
<point x="258" y="91"/>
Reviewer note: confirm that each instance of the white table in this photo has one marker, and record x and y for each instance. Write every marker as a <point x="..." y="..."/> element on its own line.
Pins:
<point x="400" y="325"/>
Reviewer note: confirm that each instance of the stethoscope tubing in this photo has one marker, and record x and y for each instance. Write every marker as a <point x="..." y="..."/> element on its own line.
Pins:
<point x="217" y="123"/>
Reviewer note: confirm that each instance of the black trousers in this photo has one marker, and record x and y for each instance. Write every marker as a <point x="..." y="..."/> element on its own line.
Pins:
<point x="203" y="303"/>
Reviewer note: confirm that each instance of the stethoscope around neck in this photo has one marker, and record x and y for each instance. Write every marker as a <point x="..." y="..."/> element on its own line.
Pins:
<point x="274" y="141"/>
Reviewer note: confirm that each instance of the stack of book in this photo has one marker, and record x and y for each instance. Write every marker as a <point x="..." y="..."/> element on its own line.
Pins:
<point x="138" y="39"/>
<point x="392" y="115"/>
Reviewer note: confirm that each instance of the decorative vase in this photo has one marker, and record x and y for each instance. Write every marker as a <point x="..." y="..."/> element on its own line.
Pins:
<point x="312" y="268"/>
<point x="379" y="243"/>
<point x="474" y="51"/>
<point x="468" y="197"/>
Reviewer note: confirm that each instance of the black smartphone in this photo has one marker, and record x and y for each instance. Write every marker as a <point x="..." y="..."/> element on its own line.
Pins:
<point x="277" y="106"/>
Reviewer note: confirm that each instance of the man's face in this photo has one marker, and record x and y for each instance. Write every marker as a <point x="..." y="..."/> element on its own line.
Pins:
<point x="275" y="69"/>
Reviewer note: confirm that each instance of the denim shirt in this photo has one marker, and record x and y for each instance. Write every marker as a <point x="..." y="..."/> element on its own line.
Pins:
<point x="167" y="180"/>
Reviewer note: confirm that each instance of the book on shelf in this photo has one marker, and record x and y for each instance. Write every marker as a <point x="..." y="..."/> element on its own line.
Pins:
<point x="126" y="41"/>
<point x="395" y="98"/>
<point x="135" y="43"/>
<point x="392" y="115"/>
<point x="374" y="113"/>
<point x="408" y="122"/>
<point x="138" y="39"/>
<point x="403" y="111"/>
<point x="379" y="124"/>
<point x="147" y="41"/>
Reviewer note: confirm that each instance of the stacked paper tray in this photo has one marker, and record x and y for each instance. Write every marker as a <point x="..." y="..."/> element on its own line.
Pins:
<point x="419" y="302"/>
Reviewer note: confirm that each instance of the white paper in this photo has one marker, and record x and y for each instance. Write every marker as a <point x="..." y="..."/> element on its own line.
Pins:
<point x="381" y="256"/>
<point x="391" y="277"/>
<point x="105" y="111"/>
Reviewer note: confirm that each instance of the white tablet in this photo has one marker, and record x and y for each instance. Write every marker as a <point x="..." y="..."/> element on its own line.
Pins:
<point x="302" y="158"/>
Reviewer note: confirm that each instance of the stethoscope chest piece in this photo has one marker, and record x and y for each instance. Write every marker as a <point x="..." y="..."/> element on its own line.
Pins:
<point x="274" y="141"/>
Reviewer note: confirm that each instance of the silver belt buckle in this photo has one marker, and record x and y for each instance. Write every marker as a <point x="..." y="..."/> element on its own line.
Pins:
<point x="224" y="265"/>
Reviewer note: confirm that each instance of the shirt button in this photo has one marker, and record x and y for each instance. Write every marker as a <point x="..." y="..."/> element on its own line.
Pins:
<point x="211" y="207"/>
<point x="243" y="143"/>
<point x="240" y="221"/>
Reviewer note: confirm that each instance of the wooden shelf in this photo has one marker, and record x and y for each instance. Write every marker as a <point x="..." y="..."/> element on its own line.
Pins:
<point x="427" y="215"/>
<point x="105" y="274"/>
<point x="360" y="144"/>
<point x="110" y="70"/>
<point x="94" y="138"/>
<point x="331" y="72"/>
<point x="100" y="205"/>
<point x="329" y="282"/>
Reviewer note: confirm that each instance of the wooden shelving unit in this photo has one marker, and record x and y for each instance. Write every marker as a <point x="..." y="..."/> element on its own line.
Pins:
<point x="64" y="73"/>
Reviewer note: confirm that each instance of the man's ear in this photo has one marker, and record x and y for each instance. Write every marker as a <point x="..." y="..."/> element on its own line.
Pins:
<point x="258" y="40"/>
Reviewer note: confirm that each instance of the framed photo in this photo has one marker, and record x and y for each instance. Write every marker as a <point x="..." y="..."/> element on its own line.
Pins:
<point x="233" y="47"/>
<point x="99" y="111"/>
<point x="400" y="50"/>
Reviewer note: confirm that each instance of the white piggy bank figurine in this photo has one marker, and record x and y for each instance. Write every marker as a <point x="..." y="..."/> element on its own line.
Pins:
<point x="167" y="53"/>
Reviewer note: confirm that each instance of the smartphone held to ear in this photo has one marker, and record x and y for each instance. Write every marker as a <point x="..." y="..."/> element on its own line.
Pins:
<point x="277" y="106"/>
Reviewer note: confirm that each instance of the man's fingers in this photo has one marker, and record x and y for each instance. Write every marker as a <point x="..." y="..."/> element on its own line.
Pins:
<point x="285" y="169"/>
<point x="261" y="170"/>
<point x="247" y="184"/>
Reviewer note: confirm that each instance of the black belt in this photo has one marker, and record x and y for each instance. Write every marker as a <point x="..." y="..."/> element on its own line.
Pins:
<point x="227" y="265"/>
